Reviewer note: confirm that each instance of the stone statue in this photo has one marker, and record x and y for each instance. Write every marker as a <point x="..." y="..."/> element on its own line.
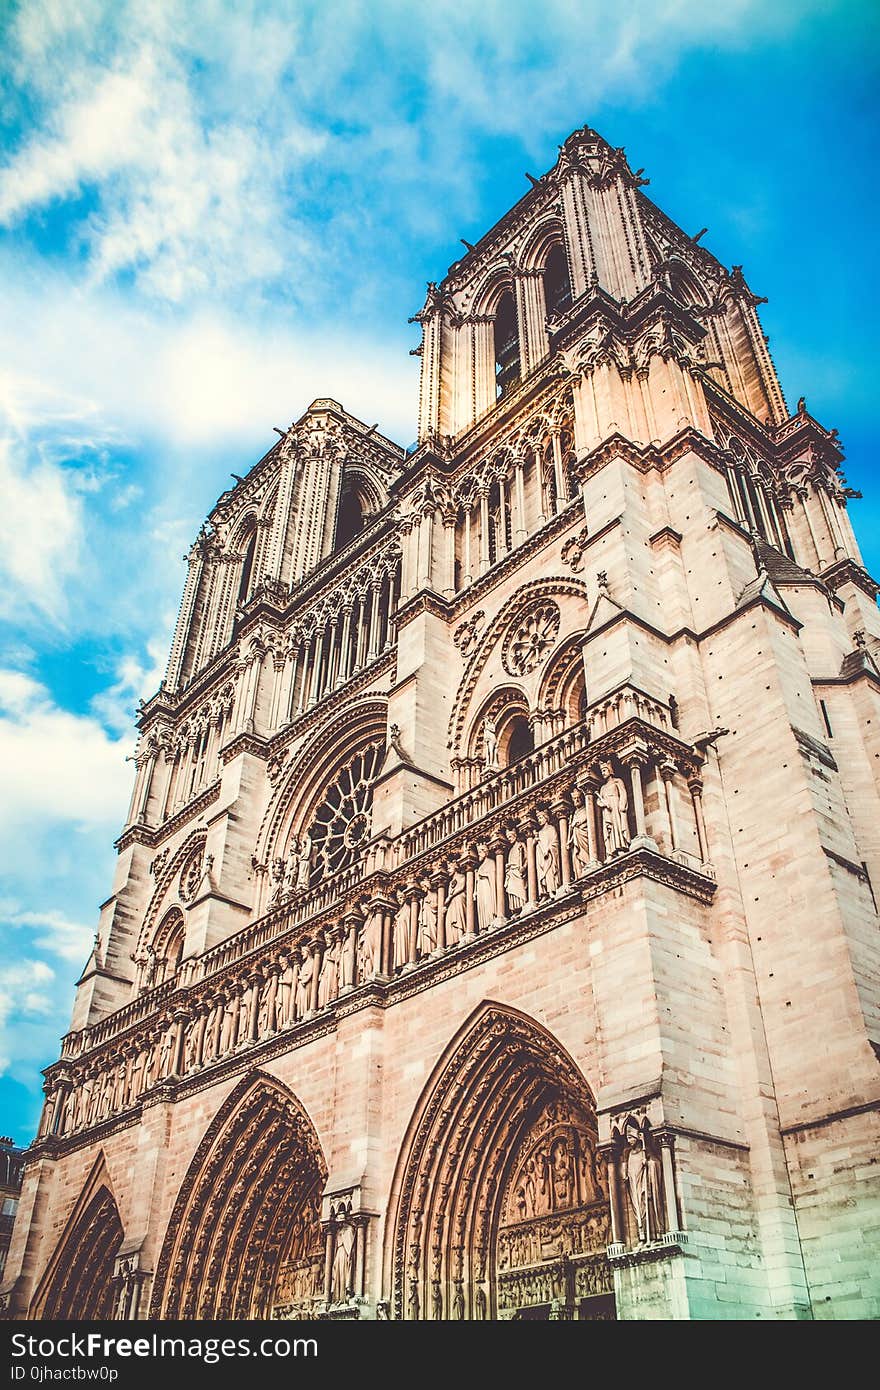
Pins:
<point x="547" y="847"/>
<point x="191" y="1049"/>
<point x="485" y="884"/>
<point x="641" y="1175"/>
<point x="165" y="1051"/>
<point x="229" y="1024"/>
<point x="490" y="744"/>
<point x="371" y="944"/>
<point x="401" y="932"/>
<point x="284" y="999"/>
<point x="348" y="964"/>
<point x="342" y="1268"/>
<point x="266" y="1016"/>
<point x="427" y="923"/>
<point x="456" y="908"/>
<point x="613" y="801"/>
<point x="303" y="863"/>
<point x="304" y="983"/>
<point x="515" y="872"/>
<point x="328" y="982"/>
<point x="578" y="834"/>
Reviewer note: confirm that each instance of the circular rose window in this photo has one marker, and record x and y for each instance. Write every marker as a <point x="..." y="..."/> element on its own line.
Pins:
<point x="341" y="824"/>
<point x="530" y="640"/>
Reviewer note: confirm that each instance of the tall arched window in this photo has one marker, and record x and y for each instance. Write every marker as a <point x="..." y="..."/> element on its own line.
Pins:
<point x="557" y="285"/>
<point x="350" y="521"/>
<point x="507" y="368"/>
<point x="247" y="566"/>
<point x="520" y="742"/>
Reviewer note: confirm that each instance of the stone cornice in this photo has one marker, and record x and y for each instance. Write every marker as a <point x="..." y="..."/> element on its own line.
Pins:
<point x="847" y="571"/>
<point x="256" y="744"/>
<point x="425" y="601"/>
<point x="153" y="835"/>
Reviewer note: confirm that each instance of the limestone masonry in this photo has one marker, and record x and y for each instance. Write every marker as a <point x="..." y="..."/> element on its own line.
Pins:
<point x="493" y="931"/>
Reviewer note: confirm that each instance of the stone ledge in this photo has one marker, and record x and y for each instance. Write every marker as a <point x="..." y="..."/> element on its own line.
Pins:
<point x="669" y="1244"/>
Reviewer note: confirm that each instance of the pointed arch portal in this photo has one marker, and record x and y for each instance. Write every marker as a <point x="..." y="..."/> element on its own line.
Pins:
<point x="244" y="1239"/>
<point x="502" y="1197"/>
<point x="78" y="1282"/>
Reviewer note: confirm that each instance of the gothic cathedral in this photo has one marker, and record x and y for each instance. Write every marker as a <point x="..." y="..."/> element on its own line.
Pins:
<point x="493" y="934"/>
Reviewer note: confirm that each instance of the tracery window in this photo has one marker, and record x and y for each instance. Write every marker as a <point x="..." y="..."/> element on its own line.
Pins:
<point x="342" y="822"/>
<point x="507" y="364"/>
<point x="557" y="285"/>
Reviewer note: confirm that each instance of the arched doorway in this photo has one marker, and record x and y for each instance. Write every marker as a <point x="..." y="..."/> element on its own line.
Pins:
<point x="502" y="1198"/>
<point x="78" y="1282"/>
<point x="244" y="1239"/>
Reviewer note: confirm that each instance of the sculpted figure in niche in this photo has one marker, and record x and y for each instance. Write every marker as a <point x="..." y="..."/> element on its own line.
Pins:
<point x="285" y="996"/>
<point x="348" y="960"/>
<point x="328" y="983"/>
<point x="456" y="908"/>
<point x="563" y="1176"/>
<point x="165" y="1051"/>
<point x="266" y="1016"/>
<point x="547" y="846"/>
<point x="485" y="885"/>
<point x="229" y="1024"/>
<point x="371" y="944"/>
<point x="342" y="1269"/>
<point x="303" y="863"/>
<point x="401" y="932"/>
<point x="613" y="801"/>
<point x="427" y="922"/>
<point x="578" y="833"/>
<point x="641" y="1174"/>
<point x="515" y="872"/>
<point x="490" y="744"/>
<point x="191" y="1050"/>
<point x="304" y="983"/>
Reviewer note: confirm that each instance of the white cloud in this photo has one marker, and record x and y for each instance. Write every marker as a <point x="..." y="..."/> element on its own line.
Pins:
<point x="136" y="679"/>
<point x="40" y="533"/>
<point x="23" y="995"/>
<point x="57" y="766"/>
<point x="51" y="931"/>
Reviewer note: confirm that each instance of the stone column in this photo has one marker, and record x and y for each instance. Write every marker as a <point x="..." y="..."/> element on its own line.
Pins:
<point x="348" y="956"/>
<point x="667" y="771"/>
<point x="415" y="898"/>
<point x="667" y="1142"/>
<point x="345" y="643"/>
<point x="561" y="808"/>
<point x="618" y="1229"/>
<point x="484" y="531"/>
<point x="314" y="949"/>
<point x="695" y="785"/>
<point x="528" y="829"/>
<point x="521" y="531"/>
<point x="470" y="914"/>
<point x="373" y="644"/>
<point x="438" y="883"/>
<point x="635" y="760"/>
<point x="498" y="847"/>
<point x="449" y="520"/>
<point x="557" y="470"/>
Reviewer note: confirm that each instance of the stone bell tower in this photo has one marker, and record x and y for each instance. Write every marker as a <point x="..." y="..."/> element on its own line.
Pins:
<point x="494" y="932"/>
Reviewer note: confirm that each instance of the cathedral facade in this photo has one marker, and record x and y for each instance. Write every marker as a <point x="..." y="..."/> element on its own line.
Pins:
<point x="493" y="933"/>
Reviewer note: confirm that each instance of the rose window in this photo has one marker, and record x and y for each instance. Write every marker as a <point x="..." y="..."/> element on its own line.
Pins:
<point x="341" y="825"/>
<point x="191" y="876"/>
<point x="530" y="641"/>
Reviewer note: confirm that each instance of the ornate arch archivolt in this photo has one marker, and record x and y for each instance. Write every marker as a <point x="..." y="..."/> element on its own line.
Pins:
<point x="165" y="896"/>
<point x="506" y="1105"/>
<point x="564" y="677"/>
<point x="544" y="235"/>
<point x="78" y="1281"/>
<point x="245" y="1231"/>
<point x="309" y="770"/>
<point x="525" y="598"/>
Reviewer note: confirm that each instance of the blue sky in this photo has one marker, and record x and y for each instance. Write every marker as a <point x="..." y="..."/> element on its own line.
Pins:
<point x="212" y="212"/>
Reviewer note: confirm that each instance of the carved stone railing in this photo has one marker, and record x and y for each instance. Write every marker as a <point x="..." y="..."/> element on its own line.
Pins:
<point x="569" y="820"/>
<point x="498" y="789"/>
